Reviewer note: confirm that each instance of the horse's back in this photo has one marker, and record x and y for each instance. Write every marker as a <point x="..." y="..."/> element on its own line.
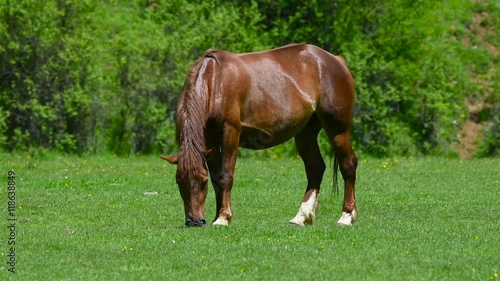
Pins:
<point x="305" y="64"/>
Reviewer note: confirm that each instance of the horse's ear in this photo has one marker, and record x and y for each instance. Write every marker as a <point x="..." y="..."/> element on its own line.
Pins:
<point x="208" y="153"/>
<point x="170" y="159"/>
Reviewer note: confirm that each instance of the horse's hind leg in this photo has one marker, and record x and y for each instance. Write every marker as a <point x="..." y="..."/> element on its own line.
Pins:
<point x="307" y="146"/>
<point x="348" y="163"/>
<point x="336" y="126"/>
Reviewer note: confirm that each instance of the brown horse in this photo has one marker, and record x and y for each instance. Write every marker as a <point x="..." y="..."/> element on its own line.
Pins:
<point x="259" y="100"/>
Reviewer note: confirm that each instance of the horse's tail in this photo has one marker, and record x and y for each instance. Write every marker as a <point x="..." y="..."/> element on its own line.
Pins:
<point x="335" y="174"/>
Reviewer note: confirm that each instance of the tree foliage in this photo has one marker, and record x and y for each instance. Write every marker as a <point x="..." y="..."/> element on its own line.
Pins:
<point x="92" y="76"/>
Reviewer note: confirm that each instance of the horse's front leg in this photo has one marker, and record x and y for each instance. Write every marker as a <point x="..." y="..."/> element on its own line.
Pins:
<point x="225" y="177"/>
<point x="214" y="163"/>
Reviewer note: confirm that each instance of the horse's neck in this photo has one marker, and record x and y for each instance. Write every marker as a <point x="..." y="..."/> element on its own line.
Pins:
<point x="192" y="111"/>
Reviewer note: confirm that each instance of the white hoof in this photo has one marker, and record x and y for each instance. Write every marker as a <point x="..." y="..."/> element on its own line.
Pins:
<point x="221" y="222"/>
<point x="299" y="220"/>
<point x="307" y="211"/>
<point x="347" y="219"/>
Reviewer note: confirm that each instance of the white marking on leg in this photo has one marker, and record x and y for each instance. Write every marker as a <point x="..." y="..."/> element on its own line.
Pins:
<point x="307" y="211"/>
<point x="347" y="219"/>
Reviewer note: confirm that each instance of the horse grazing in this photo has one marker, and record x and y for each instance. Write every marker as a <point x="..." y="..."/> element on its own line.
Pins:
<point x="259" y="100"/>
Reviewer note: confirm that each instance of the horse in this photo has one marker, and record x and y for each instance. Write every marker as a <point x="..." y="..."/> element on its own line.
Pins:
<point x="258" y="100"/>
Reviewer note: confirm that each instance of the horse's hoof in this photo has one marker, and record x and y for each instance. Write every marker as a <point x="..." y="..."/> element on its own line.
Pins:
<point x="295" y="222"/>
<point x="220" y="222"/>
<point x="196" y="223"/>
<point x="347" y="219"/>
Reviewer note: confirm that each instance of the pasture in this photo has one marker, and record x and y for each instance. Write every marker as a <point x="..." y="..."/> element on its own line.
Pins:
<point x="108" y="218"/>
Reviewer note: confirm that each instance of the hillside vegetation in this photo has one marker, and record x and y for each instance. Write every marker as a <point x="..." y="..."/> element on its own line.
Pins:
<point x="104" y="76"/>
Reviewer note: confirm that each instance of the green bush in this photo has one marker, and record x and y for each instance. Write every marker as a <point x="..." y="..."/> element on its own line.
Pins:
<point x="92" y="76"/>
<point x="104" y="76"/>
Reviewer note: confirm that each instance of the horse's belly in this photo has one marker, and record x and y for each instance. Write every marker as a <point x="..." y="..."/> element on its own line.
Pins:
<point x="261" y="137"/>
<point x="274" y="114"/>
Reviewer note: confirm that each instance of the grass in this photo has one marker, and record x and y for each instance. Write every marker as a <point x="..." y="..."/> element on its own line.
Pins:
<point x="89" y="219"/>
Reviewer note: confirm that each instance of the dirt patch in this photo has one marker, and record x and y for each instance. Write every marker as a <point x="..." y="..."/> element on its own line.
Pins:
<point x="481" y="27"/>
<point x="471" y="133"/>
<point x="468" y="137"/>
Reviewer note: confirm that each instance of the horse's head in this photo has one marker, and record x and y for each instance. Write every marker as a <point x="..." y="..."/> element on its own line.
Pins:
<point x="192" y="181"/>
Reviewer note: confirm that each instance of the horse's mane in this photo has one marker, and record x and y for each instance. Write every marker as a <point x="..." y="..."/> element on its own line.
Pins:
<point x="191" y="120"/>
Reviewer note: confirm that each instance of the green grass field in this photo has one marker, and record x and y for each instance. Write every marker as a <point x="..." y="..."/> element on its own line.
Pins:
<point x="92" y="218"/>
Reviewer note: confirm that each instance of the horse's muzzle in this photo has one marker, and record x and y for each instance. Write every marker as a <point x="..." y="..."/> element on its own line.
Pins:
<point x="190" y="222"/>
